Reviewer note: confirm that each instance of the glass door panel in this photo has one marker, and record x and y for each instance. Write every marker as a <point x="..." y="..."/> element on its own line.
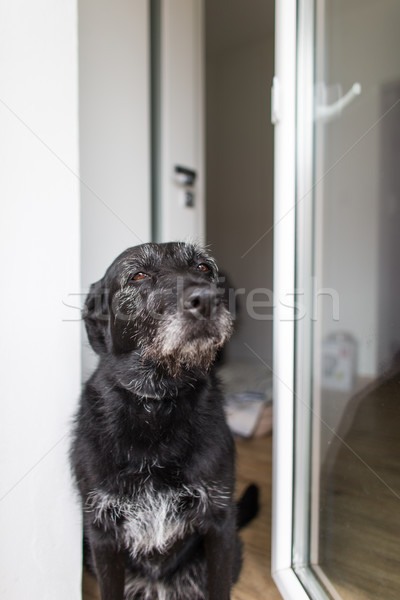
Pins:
<point x="347" y="492"/>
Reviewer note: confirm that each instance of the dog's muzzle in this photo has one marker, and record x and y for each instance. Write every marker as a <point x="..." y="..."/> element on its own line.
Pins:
<point x="190" y="335"/>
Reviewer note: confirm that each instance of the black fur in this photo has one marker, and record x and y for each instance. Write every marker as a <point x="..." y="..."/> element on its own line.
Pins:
<point x="150" y="433"/>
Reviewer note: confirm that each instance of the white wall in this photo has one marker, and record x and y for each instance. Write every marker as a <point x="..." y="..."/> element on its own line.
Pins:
<point x="114" y="96"/>
<point x="40" y="352"/>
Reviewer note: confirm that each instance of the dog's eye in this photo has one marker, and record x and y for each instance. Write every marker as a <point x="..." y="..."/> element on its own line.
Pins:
<point x="203" y="267"/>
<point x="139" y="276"/>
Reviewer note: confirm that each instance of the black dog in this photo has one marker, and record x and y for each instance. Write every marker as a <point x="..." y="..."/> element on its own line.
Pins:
<point x="152" y="454"/>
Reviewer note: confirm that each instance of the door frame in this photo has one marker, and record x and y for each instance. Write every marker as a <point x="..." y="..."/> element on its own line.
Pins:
<point x="284" y="108"/>
<point x="296" y="405"/>
<point x="284" y="114"/>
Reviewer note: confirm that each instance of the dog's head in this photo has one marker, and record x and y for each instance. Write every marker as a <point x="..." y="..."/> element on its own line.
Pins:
<point x="161" y="301"/>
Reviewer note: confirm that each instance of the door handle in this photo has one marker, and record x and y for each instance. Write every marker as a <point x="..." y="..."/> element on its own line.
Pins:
<point x="188" y="175"/>
<point x="327" y="112"/>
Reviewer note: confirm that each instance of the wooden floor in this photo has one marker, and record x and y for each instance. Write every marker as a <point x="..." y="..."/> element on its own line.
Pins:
<point x="254" y="464"/>
<point x="360" y="499"/>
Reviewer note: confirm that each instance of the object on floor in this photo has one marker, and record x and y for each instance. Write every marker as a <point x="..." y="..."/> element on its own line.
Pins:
<point x="249" y="414"/>
<point x="339" y="357"/>
<point x="248" y="394"/>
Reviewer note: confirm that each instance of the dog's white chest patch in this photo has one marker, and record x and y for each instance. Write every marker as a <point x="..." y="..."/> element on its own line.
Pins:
<point x="153" y="519"/>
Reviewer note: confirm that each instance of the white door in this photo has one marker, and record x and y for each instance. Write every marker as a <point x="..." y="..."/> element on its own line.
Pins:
<point x="178" y="119"/>
<point x="337" y="368"/>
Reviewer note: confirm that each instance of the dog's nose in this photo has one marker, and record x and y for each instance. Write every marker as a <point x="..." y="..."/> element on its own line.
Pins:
<point x="200" y="301"/>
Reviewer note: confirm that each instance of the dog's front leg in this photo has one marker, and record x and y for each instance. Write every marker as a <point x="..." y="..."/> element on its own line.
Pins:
<point x="110" y="570"/>
<point x="220" y="547"/>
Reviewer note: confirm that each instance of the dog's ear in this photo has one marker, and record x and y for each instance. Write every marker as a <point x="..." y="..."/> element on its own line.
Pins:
<point x="96" y="316"/>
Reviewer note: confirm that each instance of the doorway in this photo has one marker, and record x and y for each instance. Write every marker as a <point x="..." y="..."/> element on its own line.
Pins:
<point x="239" y="63"/>
<point x="239" y="68"/>
<point x="239" y="48"/>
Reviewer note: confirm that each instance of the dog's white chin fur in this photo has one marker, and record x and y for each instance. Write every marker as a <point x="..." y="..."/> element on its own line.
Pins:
<point x="172" y="347"/>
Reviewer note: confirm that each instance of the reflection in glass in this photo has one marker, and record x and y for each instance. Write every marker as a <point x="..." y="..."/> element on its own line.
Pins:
<point x="355" y="532"/>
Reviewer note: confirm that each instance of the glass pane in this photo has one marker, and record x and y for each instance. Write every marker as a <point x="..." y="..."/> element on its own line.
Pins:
<point x="355" y="516"/>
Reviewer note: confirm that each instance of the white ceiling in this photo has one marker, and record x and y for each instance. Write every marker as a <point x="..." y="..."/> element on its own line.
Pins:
<point x="231" y="23"/>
